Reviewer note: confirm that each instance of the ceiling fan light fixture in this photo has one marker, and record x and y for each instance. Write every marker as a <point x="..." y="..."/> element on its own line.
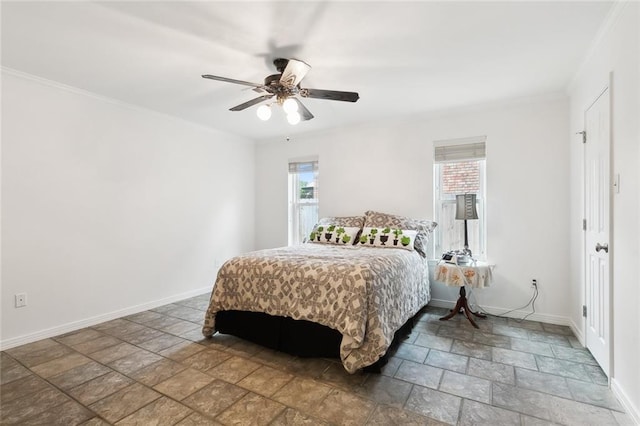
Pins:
<point x="264" y="112"/>
<point x="283" y="89"/>
<point x="293" y="118"/>
<point x="290" y="106"/>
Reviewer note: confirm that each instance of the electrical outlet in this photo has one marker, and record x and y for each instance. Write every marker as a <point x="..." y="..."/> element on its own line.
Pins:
<point x="21" y="300"/>
<point x="534" y="283"/>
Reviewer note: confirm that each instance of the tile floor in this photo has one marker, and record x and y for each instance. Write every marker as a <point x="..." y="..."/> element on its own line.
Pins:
<point x="155" y="368"/>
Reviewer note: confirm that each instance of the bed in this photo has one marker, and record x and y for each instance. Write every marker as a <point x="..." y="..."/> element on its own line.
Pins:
<point x="328" y="297"/>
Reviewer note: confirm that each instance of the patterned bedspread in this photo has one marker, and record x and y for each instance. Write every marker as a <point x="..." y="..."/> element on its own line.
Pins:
<point x="365" y="293"/>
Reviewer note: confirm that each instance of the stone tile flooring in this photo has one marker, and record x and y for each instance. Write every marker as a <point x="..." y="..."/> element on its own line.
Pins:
<point x="155" y="368"/>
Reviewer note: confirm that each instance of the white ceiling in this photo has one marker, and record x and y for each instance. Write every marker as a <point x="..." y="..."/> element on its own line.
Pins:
<point x="402" y="57"/>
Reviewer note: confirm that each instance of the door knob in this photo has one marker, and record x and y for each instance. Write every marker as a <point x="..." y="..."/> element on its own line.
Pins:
<point x="604" y="247"/>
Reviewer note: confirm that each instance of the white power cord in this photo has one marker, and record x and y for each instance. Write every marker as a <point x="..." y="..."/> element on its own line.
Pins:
<point x="531" y="302"/>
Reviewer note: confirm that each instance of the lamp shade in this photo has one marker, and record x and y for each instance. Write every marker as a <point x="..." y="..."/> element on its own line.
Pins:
<point x="293" y="117"/>
<point x="290" y="105"/>
<point x="466" y="207"/>
<point x="264" y="112"/>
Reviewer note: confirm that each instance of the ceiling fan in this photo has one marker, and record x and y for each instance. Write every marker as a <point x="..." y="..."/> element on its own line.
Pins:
<point x="285" y="87"/>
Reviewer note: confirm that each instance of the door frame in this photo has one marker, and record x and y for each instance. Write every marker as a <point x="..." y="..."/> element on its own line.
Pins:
<point x="607" y="86"/>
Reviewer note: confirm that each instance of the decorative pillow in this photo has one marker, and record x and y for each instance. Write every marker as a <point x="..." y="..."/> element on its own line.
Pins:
<point x="388" y="237"/>
<point x="357" y="221"/>
<point x="379" y="220"/>
<point x="334" y="234"/>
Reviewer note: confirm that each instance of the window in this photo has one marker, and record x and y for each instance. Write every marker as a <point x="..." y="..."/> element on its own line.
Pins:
<point x="459" y="168"/>
<point x="303" y="199"/>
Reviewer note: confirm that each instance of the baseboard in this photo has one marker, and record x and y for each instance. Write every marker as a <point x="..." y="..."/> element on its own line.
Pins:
<point x="577" y="331"/>
<point x="629" y="408"/>
<point x="546" y="318"/>
<point x="76" y="325"/>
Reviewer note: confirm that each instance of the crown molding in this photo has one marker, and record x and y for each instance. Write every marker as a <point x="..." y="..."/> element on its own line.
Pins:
<point x="113" y="101"/>
<point x="607" y="26"/>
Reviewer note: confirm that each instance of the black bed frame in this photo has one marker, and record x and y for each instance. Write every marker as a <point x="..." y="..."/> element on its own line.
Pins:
<point x="297" y="337"/>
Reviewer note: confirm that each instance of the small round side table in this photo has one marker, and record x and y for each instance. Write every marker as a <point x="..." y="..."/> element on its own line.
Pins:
<point x="476" y="274"/>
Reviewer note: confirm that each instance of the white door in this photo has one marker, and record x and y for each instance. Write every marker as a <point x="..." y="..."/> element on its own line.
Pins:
<point x="597" y="203"/>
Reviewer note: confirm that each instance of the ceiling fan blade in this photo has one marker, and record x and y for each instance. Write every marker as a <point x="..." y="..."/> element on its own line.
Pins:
<point x="251" y="103"/>
<point x="294" y="73"/>
<point x="231" y="80"/>
<point x="305" y="114"/>
<point x="333" y="95"/>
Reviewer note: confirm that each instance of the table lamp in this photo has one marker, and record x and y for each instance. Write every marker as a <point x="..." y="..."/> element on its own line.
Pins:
<point x="466" y="210"/>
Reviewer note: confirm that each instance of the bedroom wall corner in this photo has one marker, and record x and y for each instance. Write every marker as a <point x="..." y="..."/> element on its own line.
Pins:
<point x="109" y="209"/>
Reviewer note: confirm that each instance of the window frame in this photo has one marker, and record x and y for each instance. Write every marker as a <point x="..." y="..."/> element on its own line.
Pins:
<point x="474" y="154"/>
<point x="297" y="231"/>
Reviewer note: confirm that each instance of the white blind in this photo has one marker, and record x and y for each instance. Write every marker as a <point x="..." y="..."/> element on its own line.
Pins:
<point x="303" y="166"/>
<point x="460" y="150"/>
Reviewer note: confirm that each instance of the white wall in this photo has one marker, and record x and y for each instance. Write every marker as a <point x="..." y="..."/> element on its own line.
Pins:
<point x="617" y="55"/>
<point x="389" y="167"/>
<point x="108" y="209"/>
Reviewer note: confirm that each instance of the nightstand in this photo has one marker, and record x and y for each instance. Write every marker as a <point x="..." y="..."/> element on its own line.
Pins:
<point x="476" y="274"/>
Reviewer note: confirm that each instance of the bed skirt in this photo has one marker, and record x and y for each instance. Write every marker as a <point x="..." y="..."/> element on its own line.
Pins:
<point x="298" y="337"/>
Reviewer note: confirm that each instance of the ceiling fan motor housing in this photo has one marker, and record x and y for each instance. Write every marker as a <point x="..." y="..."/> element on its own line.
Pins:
<point x="281" y="64"/>
<point x="270" y="79"/>
<point x="273" y="85"/>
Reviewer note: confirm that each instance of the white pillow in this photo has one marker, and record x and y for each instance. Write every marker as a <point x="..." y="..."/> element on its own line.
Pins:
<point x="334" y="234"/>
<point x="388" y="238"/>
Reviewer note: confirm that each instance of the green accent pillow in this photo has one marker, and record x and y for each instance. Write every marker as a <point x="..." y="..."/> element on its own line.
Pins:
<point x="388" y="237"/>
<point x="333" y="234"/>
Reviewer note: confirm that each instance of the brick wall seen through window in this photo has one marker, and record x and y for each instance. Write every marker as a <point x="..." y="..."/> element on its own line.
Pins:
<point x="461" y="178"/>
